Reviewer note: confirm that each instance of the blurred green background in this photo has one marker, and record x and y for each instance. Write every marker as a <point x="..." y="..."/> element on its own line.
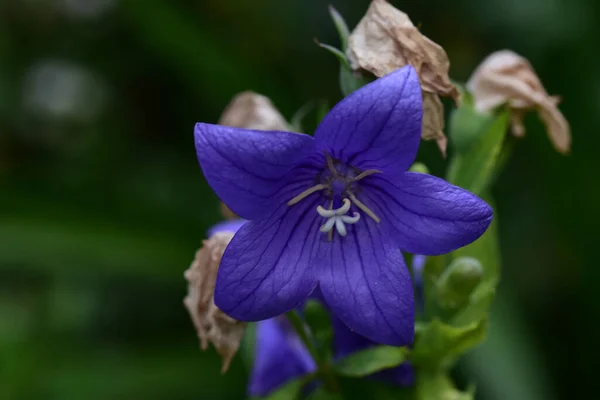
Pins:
<point x="102" y="204"/>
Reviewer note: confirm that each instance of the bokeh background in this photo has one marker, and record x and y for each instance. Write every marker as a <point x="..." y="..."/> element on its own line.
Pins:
<point x="102" y="204"/>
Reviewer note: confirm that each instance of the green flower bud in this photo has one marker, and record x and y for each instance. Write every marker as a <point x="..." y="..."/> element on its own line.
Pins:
<point x="419" y="167"/>
<point x="466" y="124"/>
<point x="458" y="281"/>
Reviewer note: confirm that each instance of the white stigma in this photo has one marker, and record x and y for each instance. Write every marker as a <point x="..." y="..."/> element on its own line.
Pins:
<point x="338" y="218"/>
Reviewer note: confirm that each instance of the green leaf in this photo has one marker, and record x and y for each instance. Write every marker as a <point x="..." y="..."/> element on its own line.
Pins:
<point x="439" y="344"/>
<point x="336" y="52"/>
<point x="298" y="117"/>
<point x="350" y="81"/>
<point x="438" y="386"/>
<point x="474" y="168"/>
<point x="503" y="359"/>
<point x="369" y="361"/>
<point x="322" y="110"/>
<point x="289" y="391"/>
<point x="341" y="27"/>
<point x="317" y="318"/>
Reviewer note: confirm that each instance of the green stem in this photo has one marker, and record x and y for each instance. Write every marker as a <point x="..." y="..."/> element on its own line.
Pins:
<point x="325" y="371"/>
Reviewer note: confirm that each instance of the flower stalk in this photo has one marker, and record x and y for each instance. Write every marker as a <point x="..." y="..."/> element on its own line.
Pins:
<point x="325" y="371"/>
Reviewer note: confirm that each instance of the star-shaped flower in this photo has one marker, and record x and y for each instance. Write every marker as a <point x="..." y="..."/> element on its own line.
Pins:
<point x="283" y="182"/>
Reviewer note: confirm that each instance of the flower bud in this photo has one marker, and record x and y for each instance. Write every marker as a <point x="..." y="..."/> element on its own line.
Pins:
<point x="212" y="324"/>
<point x="419" y="167"/>
<point x="505" y="77"/>
<point x="385" y="40"/>
<point x="458" y="281"/>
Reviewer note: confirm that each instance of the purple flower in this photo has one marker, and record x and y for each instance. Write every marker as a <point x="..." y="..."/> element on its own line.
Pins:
<point x="280" y="356"/>
<point x="334" y="210"/>
<point x="418" y="266"/>
<point x="226" y="226"/>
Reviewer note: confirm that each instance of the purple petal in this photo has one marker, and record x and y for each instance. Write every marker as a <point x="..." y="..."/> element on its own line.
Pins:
<point x="280" y="357"/>
<point x="226" y="226"/>
<point x="378" y="126"/>
<point x="418" y="265"/>
<point x="266" y="269"/>
<point x="425" y="214"/>
<point x="403" y="375"/>
<point x="346" y="342"/>
<point x="365" y="282"/>
<point x="246" y="168"/>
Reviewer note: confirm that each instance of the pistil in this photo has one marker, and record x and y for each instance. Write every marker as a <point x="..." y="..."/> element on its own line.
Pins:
<point x="339" y="184"/>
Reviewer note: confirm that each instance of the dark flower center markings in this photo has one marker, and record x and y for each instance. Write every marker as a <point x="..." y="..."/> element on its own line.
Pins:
<point x="338" y="183"/>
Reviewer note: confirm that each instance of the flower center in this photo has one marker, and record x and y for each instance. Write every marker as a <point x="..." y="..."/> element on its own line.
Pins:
<point x="339" y="184"/>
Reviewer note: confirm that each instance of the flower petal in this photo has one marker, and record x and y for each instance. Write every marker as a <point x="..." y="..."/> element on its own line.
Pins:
<point x="266" y="269"/>
<point x="365" y="282"/>
<point x="345" y="341"/>
<point x="280" y="357"/>
<point x="246" y="168"/>
<point x="426" y="214"/>
<point x="226" y="226"/>
<point x="378" y="126"/>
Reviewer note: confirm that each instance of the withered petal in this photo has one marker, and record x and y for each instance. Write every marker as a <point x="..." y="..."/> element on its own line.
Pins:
<point x="386" y="39"/>
<point x="506" y="77"/>
<point x="251" y="110"/>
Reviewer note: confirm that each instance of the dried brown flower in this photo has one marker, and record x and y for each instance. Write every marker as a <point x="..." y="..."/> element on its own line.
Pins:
<point x="212" y="324"/>
<point x="506" y="77"/>
<point x="251" y="110"/>
<point x="385" y="40"/>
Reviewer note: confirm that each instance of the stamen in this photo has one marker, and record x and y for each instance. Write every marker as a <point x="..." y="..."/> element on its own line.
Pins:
<point x="343" y="209"/>
<point x="325" y="213"/>
<point x="330" y="165"/>
<point x="366" y="210"/>
<point x="351" y="219"/>
<point x="340" y="227"/>
<point x="306" y="193"/>
<point x="326" y="227"/>
<point x="365" y="174"/>
<point x="337" y="218"/>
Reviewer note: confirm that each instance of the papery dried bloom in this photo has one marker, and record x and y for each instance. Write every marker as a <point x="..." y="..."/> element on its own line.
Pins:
<point x="212" y="325"/>
<point x="433" y="121"/>
<point x="385" y="40"/>
<point x="505" y="77"/>
<point x="251" y="110"/>
<point x="332" y="211"/>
